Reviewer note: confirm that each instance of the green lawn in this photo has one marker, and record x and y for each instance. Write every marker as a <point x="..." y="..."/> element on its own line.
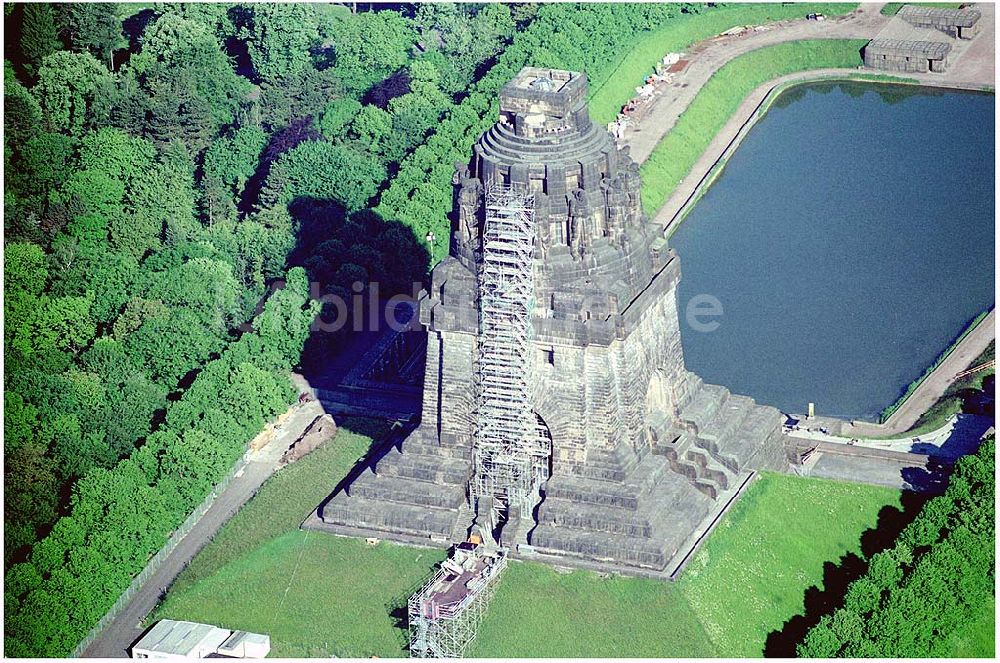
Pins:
<point x="750" y="576"/>
<point x="672" y="159"/>
<point x="286" y="499"/>
<point x="975" y="639"/>
<point x="748" y="579"/>
<point x="316" y="594"/>
<point x="538" y="612"/>
<point x="677" y="36"/>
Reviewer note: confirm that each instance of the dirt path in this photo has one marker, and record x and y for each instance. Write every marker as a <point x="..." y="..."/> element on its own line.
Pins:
<point x="973" y="67"/>
<point x="119" y="635"/>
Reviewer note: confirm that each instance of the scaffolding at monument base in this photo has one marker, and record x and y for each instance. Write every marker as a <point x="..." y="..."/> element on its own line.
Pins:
<point x="445" y="613"/>
<point x="511" y="456"/>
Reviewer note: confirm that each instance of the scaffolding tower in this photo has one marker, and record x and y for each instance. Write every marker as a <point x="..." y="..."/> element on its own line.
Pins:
<point x="511" y="453"/>
<point x="445" y="613"/>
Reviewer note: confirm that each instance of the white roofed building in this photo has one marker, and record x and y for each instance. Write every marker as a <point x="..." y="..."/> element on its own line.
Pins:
<point x="179" y="639"/>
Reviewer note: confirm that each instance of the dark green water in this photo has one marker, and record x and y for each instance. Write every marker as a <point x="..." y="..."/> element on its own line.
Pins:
<point x="849" y="240"/>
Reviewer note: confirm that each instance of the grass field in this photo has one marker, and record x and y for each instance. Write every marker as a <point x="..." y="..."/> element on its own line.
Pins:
<point x="284" y="501"/>
<point x="672" y="159"/>
<point x="317" y="594"/>
<point x="677" y="35"/>
<point x="975" y="639"/>
<point x="745" y="582"/>
<point x="751" y="575"/>
<point x="314" y="594"/>
<point x="538" y="612"/>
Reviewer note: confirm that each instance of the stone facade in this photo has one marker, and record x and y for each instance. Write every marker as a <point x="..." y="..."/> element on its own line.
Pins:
<point x="960" y="23"/>
<point x="907" y="56"/>
<point x="642" y="450"/>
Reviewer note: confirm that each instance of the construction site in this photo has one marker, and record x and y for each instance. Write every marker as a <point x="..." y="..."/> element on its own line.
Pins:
<point x="444" y="614"/>
<point x="558" y="420"/>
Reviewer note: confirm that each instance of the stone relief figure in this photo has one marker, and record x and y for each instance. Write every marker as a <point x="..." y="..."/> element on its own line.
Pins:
<point x="544" y="233"/>
<point x="579" y="210"/>
<point x="462" y="173"/>
<point x="470" y="196"/>
<point x="617" y="201"/>
<point x="633" y="183"/>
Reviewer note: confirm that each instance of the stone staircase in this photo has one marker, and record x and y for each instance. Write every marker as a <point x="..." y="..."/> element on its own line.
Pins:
<point x="626" y="508"/>
<point x="716" y="437"/>
<point x="463" y="524"/>
<point x="633" y="514"/>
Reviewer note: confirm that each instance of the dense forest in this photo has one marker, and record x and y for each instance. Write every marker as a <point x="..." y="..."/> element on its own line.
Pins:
<point x="182" y="181"/>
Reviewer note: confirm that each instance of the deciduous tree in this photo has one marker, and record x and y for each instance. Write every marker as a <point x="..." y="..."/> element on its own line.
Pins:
<point x="319" y="170"/>
<point x="74" y="91"/>
<point x="278" y="38"/>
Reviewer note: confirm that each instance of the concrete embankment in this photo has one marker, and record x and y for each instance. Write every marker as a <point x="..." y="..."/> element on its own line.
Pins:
<point x="933" y="386"/>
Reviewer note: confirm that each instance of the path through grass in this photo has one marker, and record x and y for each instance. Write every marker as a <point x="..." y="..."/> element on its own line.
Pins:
<point x="314" y="594"/>
<point x="285" y="499"/>
<point x="317" y="594"/>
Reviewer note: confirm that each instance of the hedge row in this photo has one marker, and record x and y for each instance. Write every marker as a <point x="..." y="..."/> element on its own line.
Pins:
<point x="930" y="585"/>
<point x="120" y="517"/>
<point x="607" y="99"/>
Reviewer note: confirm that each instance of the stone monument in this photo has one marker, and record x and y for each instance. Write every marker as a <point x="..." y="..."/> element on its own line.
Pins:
<point x="640" y="453"/>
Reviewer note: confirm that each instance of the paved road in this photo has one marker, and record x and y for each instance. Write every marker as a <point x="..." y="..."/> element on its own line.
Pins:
<point x="972" y="66"/>
<point x="919" y="464"/>
<point x="975" y="65"/>
<point x="959" y="435"/>
<point x="119" y="635"/>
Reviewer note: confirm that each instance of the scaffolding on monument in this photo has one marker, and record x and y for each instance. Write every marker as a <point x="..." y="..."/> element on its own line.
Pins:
<point x="511" y="456"/>
<point x="445" y="613"/>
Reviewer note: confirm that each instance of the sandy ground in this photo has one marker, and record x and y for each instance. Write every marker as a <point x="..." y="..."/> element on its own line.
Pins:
<point x="974" y="67"/>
